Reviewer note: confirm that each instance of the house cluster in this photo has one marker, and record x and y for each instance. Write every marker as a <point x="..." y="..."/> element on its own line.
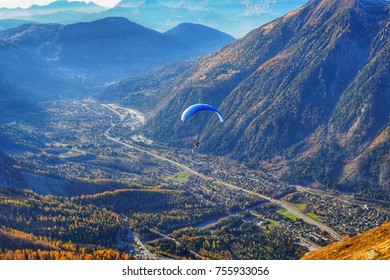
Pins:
<point x="347" y="217"/>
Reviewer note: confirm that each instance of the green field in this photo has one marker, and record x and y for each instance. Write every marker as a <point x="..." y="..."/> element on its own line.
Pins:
<point x="300" y="206"/>
<point x="268" y="228"/>
<point x="181" y="177"/>
<point x="286" y="214"/>
<point x="314" y="216"/>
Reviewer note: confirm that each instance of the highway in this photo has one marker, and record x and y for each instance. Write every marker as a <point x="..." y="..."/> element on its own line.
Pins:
<point x="183" y="167"/>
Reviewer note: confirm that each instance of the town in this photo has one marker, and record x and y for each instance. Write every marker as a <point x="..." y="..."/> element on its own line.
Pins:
<point x="94" y="142"/>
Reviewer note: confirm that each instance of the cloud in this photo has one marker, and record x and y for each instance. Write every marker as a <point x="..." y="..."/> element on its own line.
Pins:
<point x="175" y="5"/>
<point x="202" y="6"/>
<point x="189" y="5"/>
<point x="257" y="7"/>
<point x="23" y="3"/>
<point x="132" y="4"/>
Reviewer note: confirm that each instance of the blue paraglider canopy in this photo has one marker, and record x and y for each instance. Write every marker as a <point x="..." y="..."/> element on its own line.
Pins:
<point x="200" y="107"/>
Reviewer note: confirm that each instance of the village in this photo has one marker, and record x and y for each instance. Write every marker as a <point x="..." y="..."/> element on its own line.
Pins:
<point x="74" y="146"/>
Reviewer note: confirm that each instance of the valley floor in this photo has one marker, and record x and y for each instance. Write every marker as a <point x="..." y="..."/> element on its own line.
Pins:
<point x="161" y="202"/>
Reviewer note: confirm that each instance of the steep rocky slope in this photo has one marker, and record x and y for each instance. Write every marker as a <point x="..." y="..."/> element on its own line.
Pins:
<point x="307" y="92"/>
<point x="371" y="245"/>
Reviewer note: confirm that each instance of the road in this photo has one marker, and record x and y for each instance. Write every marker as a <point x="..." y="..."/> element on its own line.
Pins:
<point x="289" y="208"/>
<point x="144" y="252"/>
<point x="280" y="203"/>
<point x="309" y="244"/>
<point x="176" y="242"/>
<point x="301" y="188"/>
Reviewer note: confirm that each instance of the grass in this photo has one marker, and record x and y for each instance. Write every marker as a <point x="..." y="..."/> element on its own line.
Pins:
<point x="314" y="216"/>
<point x="273" y="224"/>
<point x="301" y="206"/>
<point x="181" y="177"/>
<point x="266" y="228"/>
<point x="287" y="214"/>
<point x="74" y="152"/>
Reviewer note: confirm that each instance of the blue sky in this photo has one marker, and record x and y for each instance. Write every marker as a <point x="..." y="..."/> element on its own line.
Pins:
<point x="28" y="3"/>
<point x="243" y="15"/>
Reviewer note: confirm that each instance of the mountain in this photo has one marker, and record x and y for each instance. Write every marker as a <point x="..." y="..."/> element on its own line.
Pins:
<point x="305" y="95"/>
<point x="26" y="78"/>
<point x="12" y="23"/>
<point x="140" y="91"/>
<point x="234" y="17"/>
<point x="60" y="11"/>
<point x="61" y="5"/>
<point x="202" y="38"/>
<point x="111" y="48"/>
<point x="159" y="16"/>
<point x="371" y="245"/>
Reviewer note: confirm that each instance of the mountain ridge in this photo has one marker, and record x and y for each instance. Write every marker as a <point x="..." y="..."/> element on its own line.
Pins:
<point x="371" y="245"/>
<point x="110" y="48"/>
<point x="230" y="16"/>
<point x="282" y="89"/>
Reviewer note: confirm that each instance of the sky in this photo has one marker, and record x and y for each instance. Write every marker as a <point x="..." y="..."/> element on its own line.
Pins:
<point x="28" y="3"/>
<point x="253" y="13"/>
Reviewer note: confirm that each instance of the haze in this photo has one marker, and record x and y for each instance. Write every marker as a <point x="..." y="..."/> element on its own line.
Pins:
<point x="28" y="3"/>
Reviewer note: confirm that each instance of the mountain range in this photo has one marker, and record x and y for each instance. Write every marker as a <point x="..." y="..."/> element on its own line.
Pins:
<point x="12" y="23"/>
<point x="42" y="61"/>
<point x="60" y="11"/>
<point x="305" y="96"/>
<point x="234" y="17"/>
<point x="116" y="45"/>
<point x="25" y="79"/>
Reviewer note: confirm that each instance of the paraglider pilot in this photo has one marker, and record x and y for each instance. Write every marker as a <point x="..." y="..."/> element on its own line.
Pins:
<point x="196" y="108"/>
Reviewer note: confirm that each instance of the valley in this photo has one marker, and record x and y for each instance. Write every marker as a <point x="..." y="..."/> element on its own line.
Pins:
<point x="96" y="161"/>
<point x="85" y="149"/>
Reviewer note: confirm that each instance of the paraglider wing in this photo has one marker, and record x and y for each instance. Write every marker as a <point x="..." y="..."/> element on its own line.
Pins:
<point x="200" y="107"/>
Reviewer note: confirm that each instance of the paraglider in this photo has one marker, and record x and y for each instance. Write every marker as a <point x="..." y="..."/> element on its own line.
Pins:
<point x="200" y="107"/>
<point x="196" y="108"/>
